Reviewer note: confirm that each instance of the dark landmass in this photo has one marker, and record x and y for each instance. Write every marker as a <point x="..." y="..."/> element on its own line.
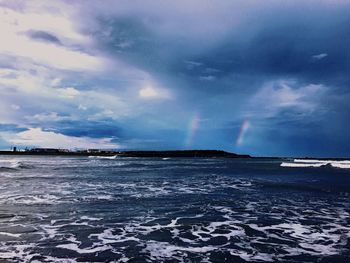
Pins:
<point x="187" y="153"/>
<point x="162" y="154"/>
<point x="56" y="153"/>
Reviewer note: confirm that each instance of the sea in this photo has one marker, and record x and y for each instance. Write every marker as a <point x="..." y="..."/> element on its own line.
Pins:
<point x="118" y="209"/>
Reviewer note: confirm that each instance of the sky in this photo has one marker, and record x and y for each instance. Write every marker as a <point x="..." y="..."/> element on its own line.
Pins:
<point x="266" y="78"/>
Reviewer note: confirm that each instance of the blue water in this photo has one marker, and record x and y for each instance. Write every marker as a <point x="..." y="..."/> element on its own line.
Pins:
<point x="80" y="209"/>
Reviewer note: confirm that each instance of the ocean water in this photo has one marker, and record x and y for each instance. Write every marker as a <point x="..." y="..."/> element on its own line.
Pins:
<point x="80" y="209"/>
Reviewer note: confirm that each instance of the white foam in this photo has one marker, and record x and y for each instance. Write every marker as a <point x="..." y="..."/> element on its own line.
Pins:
<point x="107" y="237"/>
<point x="10" y="234"/>
<point x="319" y="161"/>
<point x="11" y="164"/>
<point x="75" y="247"/>
<point x="42" y="199"/>
<point x="101" y="197"/>
<point x="56" y="260"/>
<point x="20" y="253"/>
<point x="90" y="218"/>
<point x="316" y="163"/>
<point x="302" y="164"/>
<point x="249" y="257"/>
<point x="105" y="157"/>
<point x="163" y="250"/>
<point x="341" y="165"/>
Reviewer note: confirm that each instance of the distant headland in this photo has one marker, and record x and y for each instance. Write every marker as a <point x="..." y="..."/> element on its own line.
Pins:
<point x="99" y="152"/>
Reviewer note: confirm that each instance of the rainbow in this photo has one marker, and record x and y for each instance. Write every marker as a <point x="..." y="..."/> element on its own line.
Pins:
<point x="243" y="130"/>
<point x="192" y="128"/>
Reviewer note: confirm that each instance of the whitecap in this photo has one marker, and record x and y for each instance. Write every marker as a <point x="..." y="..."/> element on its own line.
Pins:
<point x="9" y="234"/>
<point x="320" y="161"/>
<point x="345" y="164"/>
<point x="284" y="164"/>
<point x="90" y="218"/>
<point x="104" y="157"/>
<point x="45" y="199"/>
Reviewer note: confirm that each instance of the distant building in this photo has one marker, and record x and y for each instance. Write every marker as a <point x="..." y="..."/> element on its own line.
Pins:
<point x="64" y="150"/>
<point x="15" y="149"/>
<point x="44" y="150"/>
<point x="93" y="150"/>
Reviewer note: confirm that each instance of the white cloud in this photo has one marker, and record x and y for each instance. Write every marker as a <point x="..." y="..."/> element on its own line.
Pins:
<point x="192" y="64"/>
<point x="320" y="56"/>
<point x="151" y="92"/>
<point x="14" y="42"/>
<point x="51" y="73"/>
<point x="68" y="92"/>
<point x="19" y="79"/>
<point x="56" y="82"/>
<point x="148" y="92"/>
<point x="15" y="106"/>
<point x="106" y="101"/>
<point x="54" y="19"/>
<point x="36" y="137"/>
<point x="279" y="95"/>
<point x="207" y="78"/>
<point x="82" y="107"/>
<point x="211" y="70"/>
<point x="48" y="54"/>
<point x="48" y="117"/>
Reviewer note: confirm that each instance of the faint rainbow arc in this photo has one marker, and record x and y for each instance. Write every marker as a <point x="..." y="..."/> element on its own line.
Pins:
<point x="193" y="126"/>
<point x="242" y="132"/>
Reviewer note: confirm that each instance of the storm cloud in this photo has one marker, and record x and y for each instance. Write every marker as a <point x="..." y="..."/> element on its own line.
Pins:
<point x="257" y="77"/>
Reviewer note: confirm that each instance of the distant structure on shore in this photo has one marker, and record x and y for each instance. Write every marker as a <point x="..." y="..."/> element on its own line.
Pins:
<point x="58" y="151"/>
<point x="47" y="150"/>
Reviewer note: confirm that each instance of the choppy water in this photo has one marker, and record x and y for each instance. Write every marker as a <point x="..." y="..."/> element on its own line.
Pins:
<point x="79" y="209"/>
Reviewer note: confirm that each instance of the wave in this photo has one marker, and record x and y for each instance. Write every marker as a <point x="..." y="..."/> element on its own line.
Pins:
<point x="13" y="165"/>
<point x="40" y="199"/>
<point x="104" y="157"/>
<point x="301" y="164"/>
<point x="317" y="163"/>
<point x="320" y="161"/>
<point x="7" y="169"/>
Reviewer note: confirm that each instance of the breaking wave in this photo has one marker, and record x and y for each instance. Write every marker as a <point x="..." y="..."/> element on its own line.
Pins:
<point x="13" y="165"/>
<point x="317" y="163"/>
<point x="104" y="157"/>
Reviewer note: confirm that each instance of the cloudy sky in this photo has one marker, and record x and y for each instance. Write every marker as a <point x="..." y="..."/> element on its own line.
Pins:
<point x="257" y="77"/>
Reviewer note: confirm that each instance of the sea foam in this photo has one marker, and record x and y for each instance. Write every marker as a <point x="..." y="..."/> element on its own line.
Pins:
<point x="317" y="163"/>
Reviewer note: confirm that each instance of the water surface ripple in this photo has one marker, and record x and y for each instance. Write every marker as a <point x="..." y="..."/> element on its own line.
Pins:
<point x="79" y="209"/>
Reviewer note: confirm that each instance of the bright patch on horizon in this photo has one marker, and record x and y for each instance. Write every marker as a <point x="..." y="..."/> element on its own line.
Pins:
<point x="38" y="138"/>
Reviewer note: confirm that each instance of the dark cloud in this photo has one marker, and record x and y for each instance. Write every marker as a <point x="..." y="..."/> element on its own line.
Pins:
<point x="93" y="129"/>
<point x="281" y="66"/>
<point x="11" y="128"/>
<point x="43" y="36"/>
